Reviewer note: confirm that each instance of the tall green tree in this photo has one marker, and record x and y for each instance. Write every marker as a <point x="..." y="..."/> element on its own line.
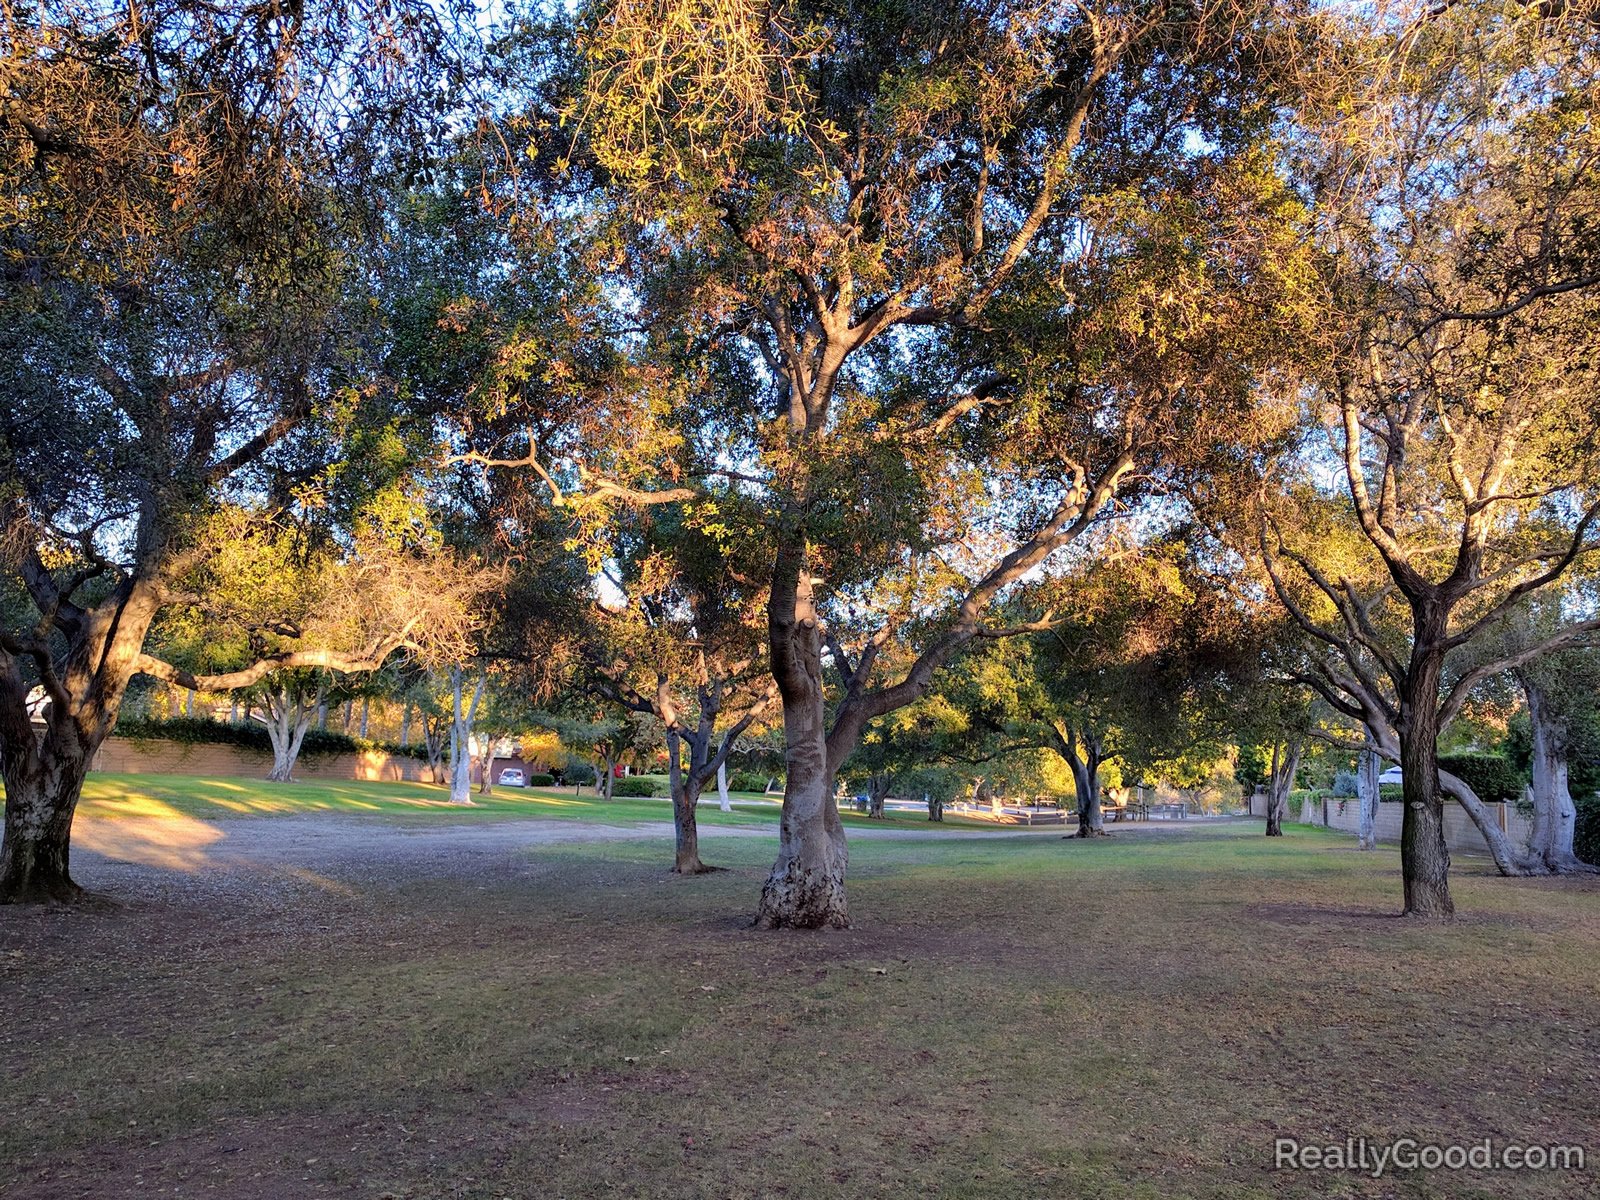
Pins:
<point x="186" y="197"/>
<point x="1457" y="201"/>
<point x="986" y="271"/>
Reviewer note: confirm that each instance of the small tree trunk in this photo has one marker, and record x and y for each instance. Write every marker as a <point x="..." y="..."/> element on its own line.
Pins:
<point x="486" y="783"/>
<point x="188" y="703"/>
<point x="878" y="793"/>
<point x="1311" y="810"/>
<point x="935" y="806"/>
<point x="1285" y="766"/>
<point x="460" y="770"/>
<point x="462" y="715"/>
<point x="405" y="726"/>
<point x="366" y="711"/>
<point x="1369" y="792"/>
<point x="722" y="787"/>
<point x="686" y="785"/>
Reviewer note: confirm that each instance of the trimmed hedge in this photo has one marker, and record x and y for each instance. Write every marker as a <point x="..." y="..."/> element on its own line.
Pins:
<point x="198" y="731"/>
<point x="632" y="785"/>
<point x="541" y="781"/>
<point x="1586" y="837"/>
<point x="747" y="781"/>
<point x="1491" y="776"/>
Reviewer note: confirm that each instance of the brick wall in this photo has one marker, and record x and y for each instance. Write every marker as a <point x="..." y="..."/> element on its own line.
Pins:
<point x="153" y="757"/>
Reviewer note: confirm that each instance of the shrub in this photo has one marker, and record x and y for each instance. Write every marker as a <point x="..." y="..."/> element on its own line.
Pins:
<point x="201" y="731"/>
<point x="576" y="771"/>
<point x="1491" y="776"/>
<point x="747" y="781"/>
<point x="634" y="786"/>
<point x="1586" y="837"/>
<point x="1344" y="784"/>
<point x="541" y="781"/>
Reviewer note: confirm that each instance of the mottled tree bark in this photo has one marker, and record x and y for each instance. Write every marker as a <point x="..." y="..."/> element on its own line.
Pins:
<point x="288" y="718"/>
<point x="41" y="798"/>
<point x="805" y="889"/>
<point x="1368" y="793"/>
<point x="1424" y="857"/>
<point x="1555" y="815"/>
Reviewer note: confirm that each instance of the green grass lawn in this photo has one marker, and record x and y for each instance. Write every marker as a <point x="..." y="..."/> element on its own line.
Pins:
<point x="1135" y="1018"/>
<point x="111" y="795"/>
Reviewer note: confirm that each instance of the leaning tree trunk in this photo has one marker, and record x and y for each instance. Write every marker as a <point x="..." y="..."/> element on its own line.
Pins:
<point x="1510" y="859"/>
<point x="723" y="802"/>
<point x="1369" y="792"/>
<point x="1285" y="766"/>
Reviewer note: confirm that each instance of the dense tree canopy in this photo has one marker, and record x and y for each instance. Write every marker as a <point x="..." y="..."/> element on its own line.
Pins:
<point x="909" y="383"/>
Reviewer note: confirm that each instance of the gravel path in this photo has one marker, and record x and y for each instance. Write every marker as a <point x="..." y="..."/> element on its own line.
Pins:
<point x="111" y="854"/>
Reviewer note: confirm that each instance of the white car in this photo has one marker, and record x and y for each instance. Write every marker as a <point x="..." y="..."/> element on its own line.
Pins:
<point x="513" y="778"/>
<point x="1392" y="775"/>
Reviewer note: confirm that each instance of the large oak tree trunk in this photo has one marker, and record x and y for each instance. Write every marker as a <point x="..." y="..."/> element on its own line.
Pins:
<point x="877" y="793"/>
<point x="41" y="798"/>
<point x="44" y="773"/>
<point x="1424" y="857"/>
<point x="806" y="887"/>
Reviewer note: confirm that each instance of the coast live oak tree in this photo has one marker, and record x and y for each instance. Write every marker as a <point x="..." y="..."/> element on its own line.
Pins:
<point x="1460" y="397"/>
<point x="983" y="268"/>
<point x="184" y="202"/>
<point x="684" y="645"/>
